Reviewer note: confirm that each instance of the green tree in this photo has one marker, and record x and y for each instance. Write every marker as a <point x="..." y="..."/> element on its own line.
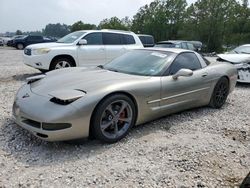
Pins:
<point x="211" y="22"/>
<point x="56" y="30"/>
<point x="115" y="23"/>
<point x="82" y="26"/>
<point x="162" y="18"/>
<point x="19" y="32"/>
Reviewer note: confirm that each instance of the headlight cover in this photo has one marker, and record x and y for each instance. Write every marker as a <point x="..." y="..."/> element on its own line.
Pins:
<point x="65" y="97"/>
<point x="40" y="51"/>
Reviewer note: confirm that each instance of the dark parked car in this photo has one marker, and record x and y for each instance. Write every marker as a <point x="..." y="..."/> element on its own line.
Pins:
<point x="175" y="44"/>
<point x="10" y="42"/>
<point x="21" y="43"/>
<point x="147" y="40"/>
<point x="1" y="42"/>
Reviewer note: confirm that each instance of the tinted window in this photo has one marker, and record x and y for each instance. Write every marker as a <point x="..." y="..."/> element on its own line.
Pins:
<point x="147" y="41"/>
<point x="94" y="39"/>
<point x="112" y="39"/>
<point x="128" y="39"/>
<point x="185" y="61"/>
<point x="34" y="38"/>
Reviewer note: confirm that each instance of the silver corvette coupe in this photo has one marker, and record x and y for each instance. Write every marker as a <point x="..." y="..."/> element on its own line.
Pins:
<point x="106" y="101"/>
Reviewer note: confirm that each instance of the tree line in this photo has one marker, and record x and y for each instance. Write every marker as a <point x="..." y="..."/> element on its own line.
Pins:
<point x="216" y="23"/>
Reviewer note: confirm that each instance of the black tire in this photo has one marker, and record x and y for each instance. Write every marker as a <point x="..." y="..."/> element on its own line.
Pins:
<point x="220" y="93"/>
<point x="58" y="61"/>
<point x="19" y="46"/>
<point x="120" y="105"/>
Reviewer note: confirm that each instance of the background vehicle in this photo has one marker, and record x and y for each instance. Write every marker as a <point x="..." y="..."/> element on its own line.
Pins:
<point x="197" y="45"/>
<point x="22" y="42"/>
<point x="240" y="57"/>
<point x="175" y="44"/>
<point x="10" y="41"/>
<point x="147" y="40"/>
<point x="81" y="48"/>
<point x="1" y="42"/>
<point x="106" y="101"/>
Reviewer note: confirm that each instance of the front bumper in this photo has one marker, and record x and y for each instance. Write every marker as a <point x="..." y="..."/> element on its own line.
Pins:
<point x="37" y="61"/>
<point x="33" y="111"/>
<point x="243" y="73"/>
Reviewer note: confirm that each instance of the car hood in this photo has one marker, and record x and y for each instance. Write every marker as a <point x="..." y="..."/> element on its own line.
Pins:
<point x="82" y="79"/>
<point x="235" y="58"/>
<point x="48" y="45"/>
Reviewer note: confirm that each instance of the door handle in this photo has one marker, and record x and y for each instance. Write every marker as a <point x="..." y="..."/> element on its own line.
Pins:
<point x="102" y="49"/>
<point x="205" y="74"/>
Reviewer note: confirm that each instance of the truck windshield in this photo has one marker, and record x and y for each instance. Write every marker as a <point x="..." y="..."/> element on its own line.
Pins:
<point x="72" y="37"/>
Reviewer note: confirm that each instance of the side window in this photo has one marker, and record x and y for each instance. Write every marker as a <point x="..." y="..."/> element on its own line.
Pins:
<point x="184" y="45"/>
<point x="112" y="39"/>
<point x="190" y="46"/>
<point x="94" y="39"/>
<point x="128" y="39"/>
<point x="185" y="61"/>
<point x="34" y="38"/>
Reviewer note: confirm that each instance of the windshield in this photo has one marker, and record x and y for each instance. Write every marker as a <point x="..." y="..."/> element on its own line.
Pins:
<point x="140" y="62"/>
<point x="242" y="50"/>
<point x="72" y="37"/>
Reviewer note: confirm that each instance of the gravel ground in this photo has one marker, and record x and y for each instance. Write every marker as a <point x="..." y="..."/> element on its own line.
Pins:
<point x="203" y="147"/>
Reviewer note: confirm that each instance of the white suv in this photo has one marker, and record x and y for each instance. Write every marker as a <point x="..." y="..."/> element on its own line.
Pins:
<point x="81" y="48"/>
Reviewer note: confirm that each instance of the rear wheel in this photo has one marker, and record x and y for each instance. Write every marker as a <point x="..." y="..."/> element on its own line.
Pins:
<point x="220" y="93"/>
<point x="113" y="118"/>
<point x="61" y="63"/>
<point x="20" y="46"/>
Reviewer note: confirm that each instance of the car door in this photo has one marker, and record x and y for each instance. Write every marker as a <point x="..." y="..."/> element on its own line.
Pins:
<point x="34" y="39"/>
<point x="94" y="52"/>
<point x="114" y="44"/>
<point x="185" y="92"/>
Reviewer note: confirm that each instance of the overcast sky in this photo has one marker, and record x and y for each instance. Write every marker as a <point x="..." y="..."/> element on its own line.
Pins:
<point x="30" y="15"/>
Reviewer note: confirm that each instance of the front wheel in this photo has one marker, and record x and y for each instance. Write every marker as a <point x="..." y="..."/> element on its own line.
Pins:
<point x="20" y="46"/>
<point x="113" y="118"/>
<point x="220" y="93"/>
<point x="61" y="63"/>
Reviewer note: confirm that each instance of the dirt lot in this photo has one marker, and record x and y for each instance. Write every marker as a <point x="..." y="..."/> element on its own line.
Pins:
<point x="198" y="148"/>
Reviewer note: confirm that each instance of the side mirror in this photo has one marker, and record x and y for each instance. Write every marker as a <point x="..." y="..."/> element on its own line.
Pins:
<point x="183" y="72"/>
<point x="82" y="42"/>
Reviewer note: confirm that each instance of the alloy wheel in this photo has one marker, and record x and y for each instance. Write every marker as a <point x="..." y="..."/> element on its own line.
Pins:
<point x="116" y="119"/>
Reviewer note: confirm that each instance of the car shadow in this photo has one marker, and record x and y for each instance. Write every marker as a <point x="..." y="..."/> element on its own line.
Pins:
<point x="243" y="85"/>
<point x="32" y="151"/>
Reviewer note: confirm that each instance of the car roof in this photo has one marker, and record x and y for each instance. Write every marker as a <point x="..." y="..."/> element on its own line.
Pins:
<point x="144" y="35"/>
<point x="171" y="41"/>
<point x="174" y="50"/>
<point x="107" y="30"/>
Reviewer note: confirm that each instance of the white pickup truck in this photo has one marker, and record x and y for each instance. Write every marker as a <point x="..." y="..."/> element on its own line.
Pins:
<point x="81" y="48"/>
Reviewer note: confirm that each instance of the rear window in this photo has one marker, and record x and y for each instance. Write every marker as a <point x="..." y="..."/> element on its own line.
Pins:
<point x="112" y="39"/>
<point x="147" y="41"/>
<point x="128" y="39"/>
